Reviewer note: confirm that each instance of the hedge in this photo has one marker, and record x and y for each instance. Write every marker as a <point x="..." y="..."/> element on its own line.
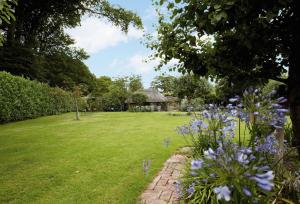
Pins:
<point x="21" y="99"/>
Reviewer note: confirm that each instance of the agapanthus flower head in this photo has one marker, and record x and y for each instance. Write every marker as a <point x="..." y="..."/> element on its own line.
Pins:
<point x="210" y="154"/>
<point x="191" y="190"/>
<point x="257" y="105"/>
<point x="270" y="145"/>
<point x="242" y="158"/>
<point x="265" y="180"/>
<point x="229" y="106"/>
<point x="223" y="192"/>
<point x="212" y="175"/>
<point x="234" y="99"/>
<point x="206" y="114"/>
<point x="246" y="150"/>
<point x="281" y="100"/>
<point x="197" y="164"/>
<point x="282" y="110"/>
<point x="275" y="105"/>
<point x="183" y="130"/>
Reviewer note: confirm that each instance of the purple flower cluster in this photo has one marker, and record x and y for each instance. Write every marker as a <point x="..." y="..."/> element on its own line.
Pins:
<point x="265" y="180"/>
<point x="278" y="114"/>
<point x="267" y="145"/>
<point x="222" y="192"/>
<point x="183" y="130"/>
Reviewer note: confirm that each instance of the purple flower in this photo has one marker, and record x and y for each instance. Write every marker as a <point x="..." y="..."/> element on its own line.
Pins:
<point x="206" y="114"/>
<point x="223" y="192"/>
<point x="235" y="99"/>
<point x="282" y="110"/>
<point x="268" y="175"/>
<point x="183" y="130"/>
<point x="269" y="146"/>
<point x="196" y="164"/>
<point x="281" y="100"/>
<point x="242" y="158"/>
<point x="191" y="190"/>
<point x="275" y="105"/>
<point x="264" y="181"/>
<point x="210" y="154"/>
<point x="213" y="175"/>
<point x="246" y="150"/>
<point x="246" y="191"/>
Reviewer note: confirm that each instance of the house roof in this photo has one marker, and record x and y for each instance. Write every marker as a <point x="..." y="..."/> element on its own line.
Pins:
<point x="153" y="96"/>
<point x="172" y="99"/>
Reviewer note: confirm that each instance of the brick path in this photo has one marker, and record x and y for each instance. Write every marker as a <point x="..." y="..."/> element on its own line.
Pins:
<point x="162" y="189"/>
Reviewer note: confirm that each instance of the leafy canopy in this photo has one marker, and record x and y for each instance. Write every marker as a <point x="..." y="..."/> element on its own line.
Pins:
<point x="232" y="38"/>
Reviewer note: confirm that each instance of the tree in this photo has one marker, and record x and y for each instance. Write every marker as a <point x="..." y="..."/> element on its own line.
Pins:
<point x="117" y="94"/>
<point x="40" y="26"/>
<point x="250" y="40"/>
<point x="76" y="96"/>
<point x="6" y="14"/>
<point x="192" y="87"/>
<point x="139" y="99"/>
<point x="102" y="86"/>
<point x="135" y="83"/>
<point x="36" y="45"/>
<point x="165" y="84"/>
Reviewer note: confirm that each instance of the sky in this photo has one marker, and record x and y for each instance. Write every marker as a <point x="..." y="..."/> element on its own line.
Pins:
<point x="113" y="53"/>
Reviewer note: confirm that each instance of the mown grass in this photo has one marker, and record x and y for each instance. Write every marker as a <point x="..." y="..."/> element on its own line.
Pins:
<point x="95" y="160"/>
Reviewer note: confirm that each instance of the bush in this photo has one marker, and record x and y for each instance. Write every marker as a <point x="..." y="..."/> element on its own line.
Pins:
<point x="226" y="168"/>
<point x="22" y="99"/>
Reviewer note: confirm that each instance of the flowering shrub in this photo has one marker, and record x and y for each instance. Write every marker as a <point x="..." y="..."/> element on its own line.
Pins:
<point x="229" y="169"/>
<point x="230" y="172"/>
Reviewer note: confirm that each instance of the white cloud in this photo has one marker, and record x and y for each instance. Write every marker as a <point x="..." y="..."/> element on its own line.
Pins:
<point x="95" y="34"/>
<point x="138" y="63"/>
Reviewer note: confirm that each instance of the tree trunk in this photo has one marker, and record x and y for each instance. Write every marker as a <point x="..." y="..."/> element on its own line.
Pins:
<point x="10" y="42"/>
<point x="294" y="101"/>
<point x="294" y="78"/>
<point x="77" y="111"/>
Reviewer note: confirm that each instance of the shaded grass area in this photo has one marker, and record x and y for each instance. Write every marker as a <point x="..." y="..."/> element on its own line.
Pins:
<point x="98" y="159"/>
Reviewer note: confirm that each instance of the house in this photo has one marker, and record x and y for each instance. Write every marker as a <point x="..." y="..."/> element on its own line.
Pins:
<point x="156" y="101"/>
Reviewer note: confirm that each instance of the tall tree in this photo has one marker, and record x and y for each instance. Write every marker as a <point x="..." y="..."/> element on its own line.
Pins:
<point x="6" y="15"/>
<point x="192" y="87"/>
<point x="135" y="83"/>
<point x="165" y="84"/>
<point x="102" y="86"/>
<point x="36" y="46"/>
<point x="252" y="40"/>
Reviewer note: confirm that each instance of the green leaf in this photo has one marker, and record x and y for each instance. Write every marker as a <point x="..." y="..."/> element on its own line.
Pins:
<point x="219" y="16"/>
<point x="170" y="5"/>
<point x="217" y="6"/>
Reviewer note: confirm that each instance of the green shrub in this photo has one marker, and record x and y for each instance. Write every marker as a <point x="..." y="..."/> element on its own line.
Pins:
<point x="21" y="99"/>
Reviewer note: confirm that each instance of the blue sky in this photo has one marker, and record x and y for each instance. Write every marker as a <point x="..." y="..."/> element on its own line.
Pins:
<point x="114" y="54"/>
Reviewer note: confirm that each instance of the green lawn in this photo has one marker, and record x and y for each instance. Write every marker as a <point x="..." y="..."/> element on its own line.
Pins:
<point x="98" y="159"/>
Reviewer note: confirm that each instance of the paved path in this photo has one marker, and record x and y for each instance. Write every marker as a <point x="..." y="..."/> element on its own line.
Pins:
<point x="162" y="190"/>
